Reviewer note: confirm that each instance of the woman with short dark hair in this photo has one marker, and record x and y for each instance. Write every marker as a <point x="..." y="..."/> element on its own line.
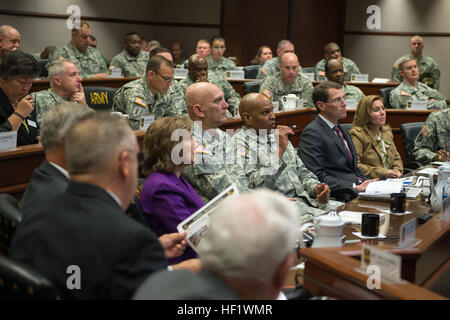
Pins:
<point x="17" y="72"/>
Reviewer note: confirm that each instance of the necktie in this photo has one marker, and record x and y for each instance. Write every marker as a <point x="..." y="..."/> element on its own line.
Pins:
<point x="341" y="137"/>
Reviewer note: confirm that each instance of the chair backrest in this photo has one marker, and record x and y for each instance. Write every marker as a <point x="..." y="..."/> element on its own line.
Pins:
<point x="308" y="70"/>
<point x="250" y="72"/>
<point x="346" y="126"/>
<point x="252" y="86"/>
<point x="409" y="134"/>
<point x="385" y="93"/>
<point x="43" y="67"/>
<point x="18" y="282"/>
<point x="10" y="216"/>
<point x="99" y="98"/>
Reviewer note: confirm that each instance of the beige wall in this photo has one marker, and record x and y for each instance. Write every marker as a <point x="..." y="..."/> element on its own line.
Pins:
<point x="37" y="33"/>
<point x="375" y="54"/>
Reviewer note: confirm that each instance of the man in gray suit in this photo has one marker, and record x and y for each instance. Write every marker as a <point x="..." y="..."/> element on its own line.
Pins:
<point x="325" y="148"/>
<point x="245" y="254"/>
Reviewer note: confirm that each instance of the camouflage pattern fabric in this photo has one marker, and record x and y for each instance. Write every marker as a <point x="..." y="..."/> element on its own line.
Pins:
<point x="274" y="88"/>
<point x="131" y="66"/>
<point x="434" y="136"/>
<point x="405" y="92"/>
<point x="429" y="72"/>
<point x="88" y="63"/>
<point x="220" y="67"/>
<point x="352" y="92"/>
<point x="43" y="101"/>
<point x="349" y="68"/>
<point x="269" y="67"/>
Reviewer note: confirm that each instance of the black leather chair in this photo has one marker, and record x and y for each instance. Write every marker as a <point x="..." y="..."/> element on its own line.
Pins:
<point x="43" y="73"/>
<point x="18" y="282"/>
<point x="385" y="93"/>
<point x="99" y="98"/>
<point x="250" y="72"/>
<point x="409" y="134"/>
<point x="252" y="86"/>
<point x="10" y="216"/>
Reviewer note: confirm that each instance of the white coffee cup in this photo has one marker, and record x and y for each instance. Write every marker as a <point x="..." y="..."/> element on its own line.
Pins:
<point x="289" y="102"/>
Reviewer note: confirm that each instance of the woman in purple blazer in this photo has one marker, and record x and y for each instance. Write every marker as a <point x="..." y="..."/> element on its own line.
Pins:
<point x="167" y="198"/>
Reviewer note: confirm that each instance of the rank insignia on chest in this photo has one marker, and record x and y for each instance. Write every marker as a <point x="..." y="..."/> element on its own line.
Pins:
<point x="425" y="131"/>
<point x="140" y="102"/>
<point x="267" y="93"/>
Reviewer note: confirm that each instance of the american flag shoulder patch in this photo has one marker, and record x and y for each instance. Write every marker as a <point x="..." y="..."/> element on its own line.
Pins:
<point x="202" y="149"/>
<point x="267" y="93"/>
<point x="140" y="102"/>
<point x="404" y="93"/>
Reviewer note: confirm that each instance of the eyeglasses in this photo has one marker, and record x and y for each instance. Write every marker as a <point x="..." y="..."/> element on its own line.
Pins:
<point x="167" y="79"/>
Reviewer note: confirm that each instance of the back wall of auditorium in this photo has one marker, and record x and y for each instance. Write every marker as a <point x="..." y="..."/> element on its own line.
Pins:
<point x="247" y="25"/>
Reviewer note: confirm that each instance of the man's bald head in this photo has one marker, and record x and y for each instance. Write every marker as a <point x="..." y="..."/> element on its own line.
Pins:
<point x="416" y="45"/>
<point x="9" y="39"/>
<point x="256" y="111"/>
<point x="205" y="102"/>
<point x="198" y="68"/>
<point x="289" y="67"/>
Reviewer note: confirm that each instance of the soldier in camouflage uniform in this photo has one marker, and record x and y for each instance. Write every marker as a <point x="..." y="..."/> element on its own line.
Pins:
<point x="149" y="95"/>
<point x="217" y="63"/>
<point x="428" y="69"/>
<point x="332" y="51"/>
<point x="270" y="161"/>
<point x="65" y="85"/>
<point x="9" y="40"/>
<point x="412" y="90"/>
<point x="214" y="168"/>
<point x="272" y="66"/>
<point x="288" y="80"/>
<point x="198" y="71"/>
<point x="433" y="141"/>
<point x="87" y="59"/>
<point x="132" y="60"/>
<point x="334" y="70"/>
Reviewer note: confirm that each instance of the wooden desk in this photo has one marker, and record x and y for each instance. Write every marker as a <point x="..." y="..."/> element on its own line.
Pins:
<point x="421" y="265"/>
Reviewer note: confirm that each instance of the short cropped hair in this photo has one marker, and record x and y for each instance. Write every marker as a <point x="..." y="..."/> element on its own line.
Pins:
<point x="326" y="48"/>
<point x="94" y="141"/>
<point x="82" y="23"/>
<point x="217" y="38"/>
<point x="158" y="143"/>
<point x="57" y="121"/>
<point x="282" y="43"/>
<point x="403" y="61"/>
<point x="249" y="236"/>
<point x="18" y="63"/>
<point x="157" y="50"/>
<point x="363" y="114"/>
<point x="320" y="92"/>
<point x="56" y="68"/>
<point x="154" y="63"/>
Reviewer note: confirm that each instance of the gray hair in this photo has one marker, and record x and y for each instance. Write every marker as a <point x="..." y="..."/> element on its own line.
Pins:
<point x="403" y="61"/>
<point x="57" y="121"/>
<point x="282" y="43"/>
<point x="93" y="143"/>
<point x="250" y="235"/>
<point x="56" y="68"/>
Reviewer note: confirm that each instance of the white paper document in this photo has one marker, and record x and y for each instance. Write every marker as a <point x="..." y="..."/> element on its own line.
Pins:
<point x="381" y="190"/>
<point x="197" y="224"/>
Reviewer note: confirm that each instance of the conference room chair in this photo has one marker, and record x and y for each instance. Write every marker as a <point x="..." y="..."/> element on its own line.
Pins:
<point x="43" y="73"/>
<point x="252" y="86"/>
<point x="385" y="93"/>
<point x="409" y="134"/>
<point x="18" y="282"/>
<point x="10" y="216"/>
<point x="99" y="98"/>
<point x="250" y="72"/>
<point x="346" y="126"/>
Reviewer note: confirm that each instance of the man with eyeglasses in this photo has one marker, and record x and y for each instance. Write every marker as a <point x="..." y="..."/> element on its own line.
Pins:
<point x="326" y="148"/>
<point x="9" y="40"/>
<point x="288" y="80"/>
<point x="146" y="97"/>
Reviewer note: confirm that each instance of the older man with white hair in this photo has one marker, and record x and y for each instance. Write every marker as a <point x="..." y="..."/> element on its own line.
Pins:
<point x="65" y="85"/>
<point x="246" y="253"/>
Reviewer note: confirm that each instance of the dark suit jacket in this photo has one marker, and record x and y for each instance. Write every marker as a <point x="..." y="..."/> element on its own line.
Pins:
<point x="86" y="227"/>
<point x="185" y="285"/>
<point x="46" y="183"/>
<point x="324" y="154"/>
